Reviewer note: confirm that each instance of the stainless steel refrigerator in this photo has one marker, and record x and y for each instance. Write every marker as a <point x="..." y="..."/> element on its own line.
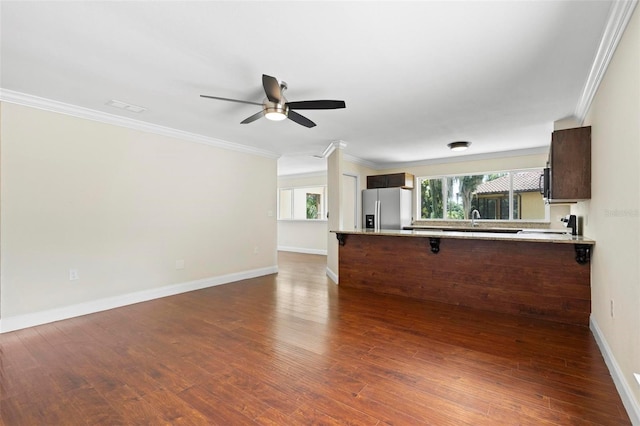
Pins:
<point x="386" y="208"/>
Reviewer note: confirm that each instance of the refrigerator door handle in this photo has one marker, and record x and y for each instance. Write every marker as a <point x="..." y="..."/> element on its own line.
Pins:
<point x="375" y="215"/>
<point x="378" y="208"/>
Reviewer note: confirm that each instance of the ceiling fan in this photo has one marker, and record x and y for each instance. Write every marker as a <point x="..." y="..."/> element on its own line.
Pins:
<point x="276" y="107"/>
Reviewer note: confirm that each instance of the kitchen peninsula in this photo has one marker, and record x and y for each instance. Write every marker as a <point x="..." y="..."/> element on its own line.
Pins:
<point x="541" y="275"/>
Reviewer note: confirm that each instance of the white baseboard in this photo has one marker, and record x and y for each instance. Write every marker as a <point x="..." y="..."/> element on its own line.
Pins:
<point x="332" y="275"/>
<point x="302" y="250"/>
<point x="43" y="317"/>
<point x="622" y="385"/>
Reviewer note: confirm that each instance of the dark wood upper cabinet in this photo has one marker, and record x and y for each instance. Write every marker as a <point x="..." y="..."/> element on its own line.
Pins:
<point x="570" y="165"/>
<point x="394" y="180"/>
<point x="377" y="181"/>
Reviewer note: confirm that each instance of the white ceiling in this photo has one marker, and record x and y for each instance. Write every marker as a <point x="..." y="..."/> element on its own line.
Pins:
<point x="414" y="75"/>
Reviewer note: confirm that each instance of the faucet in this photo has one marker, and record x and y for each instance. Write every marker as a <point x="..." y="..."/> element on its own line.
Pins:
<point x="571" y="222"/>
<point x="473" y="217"/>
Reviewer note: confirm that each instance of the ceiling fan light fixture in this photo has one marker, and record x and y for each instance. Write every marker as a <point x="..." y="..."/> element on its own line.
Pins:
<point x="275" y="106"/>
<point x="275" y="113"/>
<point x="459" y="145"/>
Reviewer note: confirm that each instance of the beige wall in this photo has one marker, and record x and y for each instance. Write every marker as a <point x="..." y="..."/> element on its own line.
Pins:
<point x="122" y="206"/>
<point x="532" y="206"/>
<point x="361" y="172"/>
<point x="335" y="168"/>
<point x="304" y="236"/>
<point x="311" y="179"/>
<point x="613" y="213"/>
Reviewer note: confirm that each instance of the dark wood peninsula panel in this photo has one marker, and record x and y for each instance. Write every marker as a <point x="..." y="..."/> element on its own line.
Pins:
<point x="540" y="280"/>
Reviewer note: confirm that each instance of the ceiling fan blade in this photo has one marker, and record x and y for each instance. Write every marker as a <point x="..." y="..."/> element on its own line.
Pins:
<point x="253" y="118"/>
<point x="230" y="100"/>
<point x="323" y="104"/>
<point x="300" y="119"/>
<point x="271" y="88"/>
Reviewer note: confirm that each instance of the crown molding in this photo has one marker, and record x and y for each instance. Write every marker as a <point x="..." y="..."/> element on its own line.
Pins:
<point x="464" y="158"/>
<point x="362" y="162"/>
<point x="619" y="16"/>
<point x="103" y="117"/>
<point x="540" y="150"/>
<point x="332" y="147"/>
<point x="317" y="173"/>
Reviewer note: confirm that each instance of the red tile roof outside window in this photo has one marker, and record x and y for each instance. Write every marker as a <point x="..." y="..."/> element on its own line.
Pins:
<point x="522" y="182"/>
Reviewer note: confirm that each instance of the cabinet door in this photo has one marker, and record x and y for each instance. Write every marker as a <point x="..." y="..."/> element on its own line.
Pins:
<point x="571" y="164"/>
<point x="376" y="181"/>
<point x="394" y="180"/>
<point x="400" y="180"/>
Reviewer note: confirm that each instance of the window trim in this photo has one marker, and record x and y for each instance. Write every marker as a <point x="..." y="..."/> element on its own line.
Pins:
<point x="323" y="202"/>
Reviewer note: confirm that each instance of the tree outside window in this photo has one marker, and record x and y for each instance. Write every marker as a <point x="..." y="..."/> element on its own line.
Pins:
<point x="313" y="206"/>
<point x="431" y="199"/>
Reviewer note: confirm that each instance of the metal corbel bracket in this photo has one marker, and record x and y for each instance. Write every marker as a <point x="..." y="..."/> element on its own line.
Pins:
<point x="583" y="253"/>
<point x="341" y="238"/>
<point x="435" y="245"/>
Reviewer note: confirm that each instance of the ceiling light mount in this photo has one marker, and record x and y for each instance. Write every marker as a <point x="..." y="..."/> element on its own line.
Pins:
<point x="458" y="145"/>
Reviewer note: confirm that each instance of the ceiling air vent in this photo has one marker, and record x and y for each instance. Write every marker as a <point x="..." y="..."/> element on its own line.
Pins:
<point x="126" y="106"/>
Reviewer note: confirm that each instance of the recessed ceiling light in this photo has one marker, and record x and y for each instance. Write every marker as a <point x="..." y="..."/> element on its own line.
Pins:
<point x="458" y="146"/>
<point x="126" y="106"/>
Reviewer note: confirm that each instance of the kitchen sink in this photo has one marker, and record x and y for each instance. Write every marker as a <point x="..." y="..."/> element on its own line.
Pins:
<point x="486" y="230"/>
<point x="546" y="231"/>
<point x="493" y="231"/>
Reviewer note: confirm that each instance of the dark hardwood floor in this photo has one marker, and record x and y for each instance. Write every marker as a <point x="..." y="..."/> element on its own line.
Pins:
<point x="295" y="349"/>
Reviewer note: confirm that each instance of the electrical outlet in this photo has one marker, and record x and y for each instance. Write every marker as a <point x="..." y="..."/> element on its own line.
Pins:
<point x="73" y="275"/>
<point x="611" y="306"/>
<point x="180" y="264"/>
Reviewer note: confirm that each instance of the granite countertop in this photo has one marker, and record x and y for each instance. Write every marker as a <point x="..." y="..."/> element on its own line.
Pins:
<point x="532" y="235"/>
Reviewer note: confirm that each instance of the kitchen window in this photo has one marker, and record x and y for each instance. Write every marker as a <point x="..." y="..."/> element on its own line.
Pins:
<point x="510" y="195"/>
<point x="302" y="203"/>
